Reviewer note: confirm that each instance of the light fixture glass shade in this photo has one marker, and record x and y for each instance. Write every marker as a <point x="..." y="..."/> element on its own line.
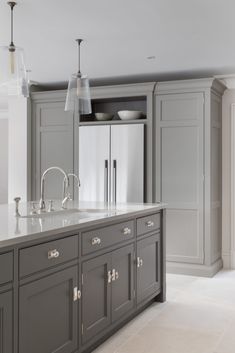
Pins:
<point x="13" y="74"/>
<point x="78" y="95"/>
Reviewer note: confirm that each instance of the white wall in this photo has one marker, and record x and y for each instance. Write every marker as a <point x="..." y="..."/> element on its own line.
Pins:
<point x="3" y="160"/>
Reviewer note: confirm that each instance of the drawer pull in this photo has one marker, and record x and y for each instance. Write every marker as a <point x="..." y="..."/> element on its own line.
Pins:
<point x="113" y="275"/>
<point x="116" y="275"/>
<point x="126" y="231"/>
<point x="150" y="224"/>
<point x="95" y="241"/>
<point x="139" y="262"/>
<point x="53" y="254"/>
<point x="109" y="277"/>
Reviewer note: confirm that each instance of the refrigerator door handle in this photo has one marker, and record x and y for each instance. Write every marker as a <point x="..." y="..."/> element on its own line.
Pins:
<point x="114" y="180"/>
<point x="106" y="176"/>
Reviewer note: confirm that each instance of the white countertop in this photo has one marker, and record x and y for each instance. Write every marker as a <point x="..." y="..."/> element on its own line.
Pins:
<point x="15" y="230"/>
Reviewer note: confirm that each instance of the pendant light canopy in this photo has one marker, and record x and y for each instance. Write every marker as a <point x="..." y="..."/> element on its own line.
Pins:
<point x="78" y="95"/>
<point x="13" y="74"/>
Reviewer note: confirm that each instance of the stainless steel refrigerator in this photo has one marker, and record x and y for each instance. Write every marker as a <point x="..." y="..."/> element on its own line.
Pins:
<point x="111" y="163"/>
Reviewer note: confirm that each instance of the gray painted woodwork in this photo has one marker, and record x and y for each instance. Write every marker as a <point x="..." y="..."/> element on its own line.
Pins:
<point x="36" y="258"/>
<point x="55" y="137"/>
<point x="47" y="319"/>
<point x="108" y="236"/>
<point x="148" y="277"/>
<point x="6" y="322"/>
<point x="148" y="224"/>
<point x="6" y="263"/>
<point x="48" y="316"/>
<point x="96" y="298"/>
<point x="188" y="172"/>
<point x="123" y="286"/>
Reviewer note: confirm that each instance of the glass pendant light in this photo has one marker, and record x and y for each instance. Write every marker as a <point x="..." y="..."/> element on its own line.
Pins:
<point x="13" y="74"/>
<point x="78" y="95"/>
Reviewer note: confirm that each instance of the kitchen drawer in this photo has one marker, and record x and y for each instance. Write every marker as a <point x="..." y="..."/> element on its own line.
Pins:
<point x="6" y="266"/>
<point x="43" y="256"/>
<point x="107" y="236"/>
<point x="148" y="224"/>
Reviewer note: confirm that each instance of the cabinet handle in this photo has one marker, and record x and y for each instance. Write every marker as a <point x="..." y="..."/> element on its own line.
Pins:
<point x="53" y="254"/>
<point x="109" y="277"/>
<point x="126" y="231"/>
<point x="75" y="294"/>
<point x="79" y="294"/>
<point x="95" y="241"/>
<point x="116" y="275"/>
<point x="150" y="224"/>
<point x="139" y="262"/>
<point x="113" y="275"/>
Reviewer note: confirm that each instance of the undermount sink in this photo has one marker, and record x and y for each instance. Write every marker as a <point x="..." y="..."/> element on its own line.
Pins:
<point x="82" y="213"/>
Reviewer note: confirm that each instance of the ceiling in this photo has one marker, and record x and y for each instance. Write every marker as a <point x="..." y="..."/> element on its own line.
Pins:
<point x="186" y="37"/>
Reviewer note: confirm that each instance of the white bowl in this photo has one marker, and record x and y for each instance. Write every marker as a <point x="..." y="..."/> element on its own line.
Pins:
<point x="130" y="114"/>
<point x="103" y="116"/>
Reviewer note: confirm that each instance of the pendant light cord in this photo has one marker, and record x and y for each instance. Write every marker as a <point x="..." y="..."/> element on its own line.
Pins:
<point x="12" y="5"/>
<point x="79" y="41"/>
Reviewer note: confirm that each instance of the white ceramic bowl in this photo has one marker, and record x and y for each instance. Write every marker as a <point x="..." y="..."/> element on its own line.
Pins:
<point x="130" y="114"/>
<point x="103" y="116"/>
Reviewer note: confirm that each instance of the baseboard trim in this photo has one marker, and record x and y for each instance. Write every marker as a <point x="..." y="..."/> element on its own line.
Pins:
<point x="194" y="269"/>
<point x="226" y="256"/>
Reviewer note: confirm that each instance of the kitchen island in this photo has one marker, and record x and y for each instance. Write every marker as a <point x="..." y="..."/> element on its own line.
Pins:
<point x="71" y="278"/>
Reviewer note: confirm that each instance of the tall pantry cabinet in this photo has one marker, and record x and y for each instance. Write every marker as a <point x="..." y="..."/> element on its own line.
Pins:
<point x="188" y="172"/>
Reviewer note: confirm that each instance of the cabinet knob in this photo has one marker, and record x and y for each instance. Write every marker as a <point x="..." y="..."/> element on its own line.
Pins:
<point x="126" y="231"/>
<point x="116" y="275"/>
<point x="95" y="241"/>
<point x="109" y="277"/>
<point x="139" y="262"/>
<point x="77" y="294"/>
<point x="113" y="275"/>
<point x="53" y="254"/>
<point x="150" y="224"/>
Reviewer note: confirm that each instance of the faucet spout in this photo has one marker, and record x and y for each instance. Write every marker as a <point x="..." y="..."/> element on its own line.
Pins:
<point x="42" y="205"/>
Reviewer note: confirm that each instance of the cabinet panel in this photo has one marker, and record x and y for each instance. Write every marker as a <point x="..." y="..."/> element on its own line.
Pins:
<point x="96" y="296"/>
<point x="148" y="267"/>
<point x="53" y="146"/>
<point x="123" y="285"/>
<point x="48" y="317"/>
<point x="6" y="323"/>
<point x="6" y="263"/>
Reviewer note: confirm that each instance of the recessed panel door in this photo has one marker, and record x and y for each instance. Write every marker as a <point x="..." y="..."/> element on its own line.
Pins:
<point x="123" y="281"/>
<point x="48" y="318"/>
<point x="6" y="322"/>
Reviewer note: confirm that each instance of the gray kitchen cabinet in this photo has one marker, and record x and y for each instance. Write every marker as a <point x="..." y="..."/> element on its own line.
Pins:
<point x="6" y="322"/>
<point x="148" y="267"/>
<point x="96" y="296"/>
<point x="53" y="133"/>
<point x="107" y="291"/>
<point x="123" y="281"/>
<point x="48" y="314"/>
<point x="187" y="173"/>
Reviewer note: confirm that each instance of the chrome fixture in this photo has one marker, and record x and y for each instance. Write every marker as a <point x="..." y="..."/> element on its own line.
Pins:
<point x="66" y="195"/>
<point x="42" y="205"/>
<point x="78" y="95"/>
<point x="17" y="201"/>
<point x="14" y="77"/>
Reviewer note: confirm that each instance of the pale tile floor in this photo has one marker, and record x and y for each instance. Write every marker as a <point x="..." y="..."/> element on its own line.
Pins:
<point x="198" y="317"/>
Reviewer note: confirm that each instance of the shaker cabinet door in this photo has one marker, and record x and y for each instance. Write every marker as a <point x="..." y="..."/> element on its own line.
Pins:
<point x="96" y="296"/>
<point x="6" y="322"/>
<point x="123" y="281"/>
<point x="148" y="267"/>
<point x="48" y="314"/>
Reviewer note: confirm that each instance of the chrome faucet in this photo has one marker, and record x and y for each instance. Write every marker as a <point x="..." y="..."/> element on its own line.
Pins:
<point x="42" y="205"/>
<point x="66" y="195"/>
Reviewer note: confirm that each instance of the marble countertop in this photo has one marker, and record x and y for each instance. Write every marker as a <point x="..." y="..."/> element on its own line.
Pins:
<point x="15" y="230"/>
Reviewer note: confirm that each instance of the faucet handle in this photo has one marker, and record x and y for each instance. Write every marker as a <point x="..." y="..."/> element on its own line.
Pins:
<point x="33" y="208"/>
<point x="17" y="201"/>
<point x="51" y="208"/>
